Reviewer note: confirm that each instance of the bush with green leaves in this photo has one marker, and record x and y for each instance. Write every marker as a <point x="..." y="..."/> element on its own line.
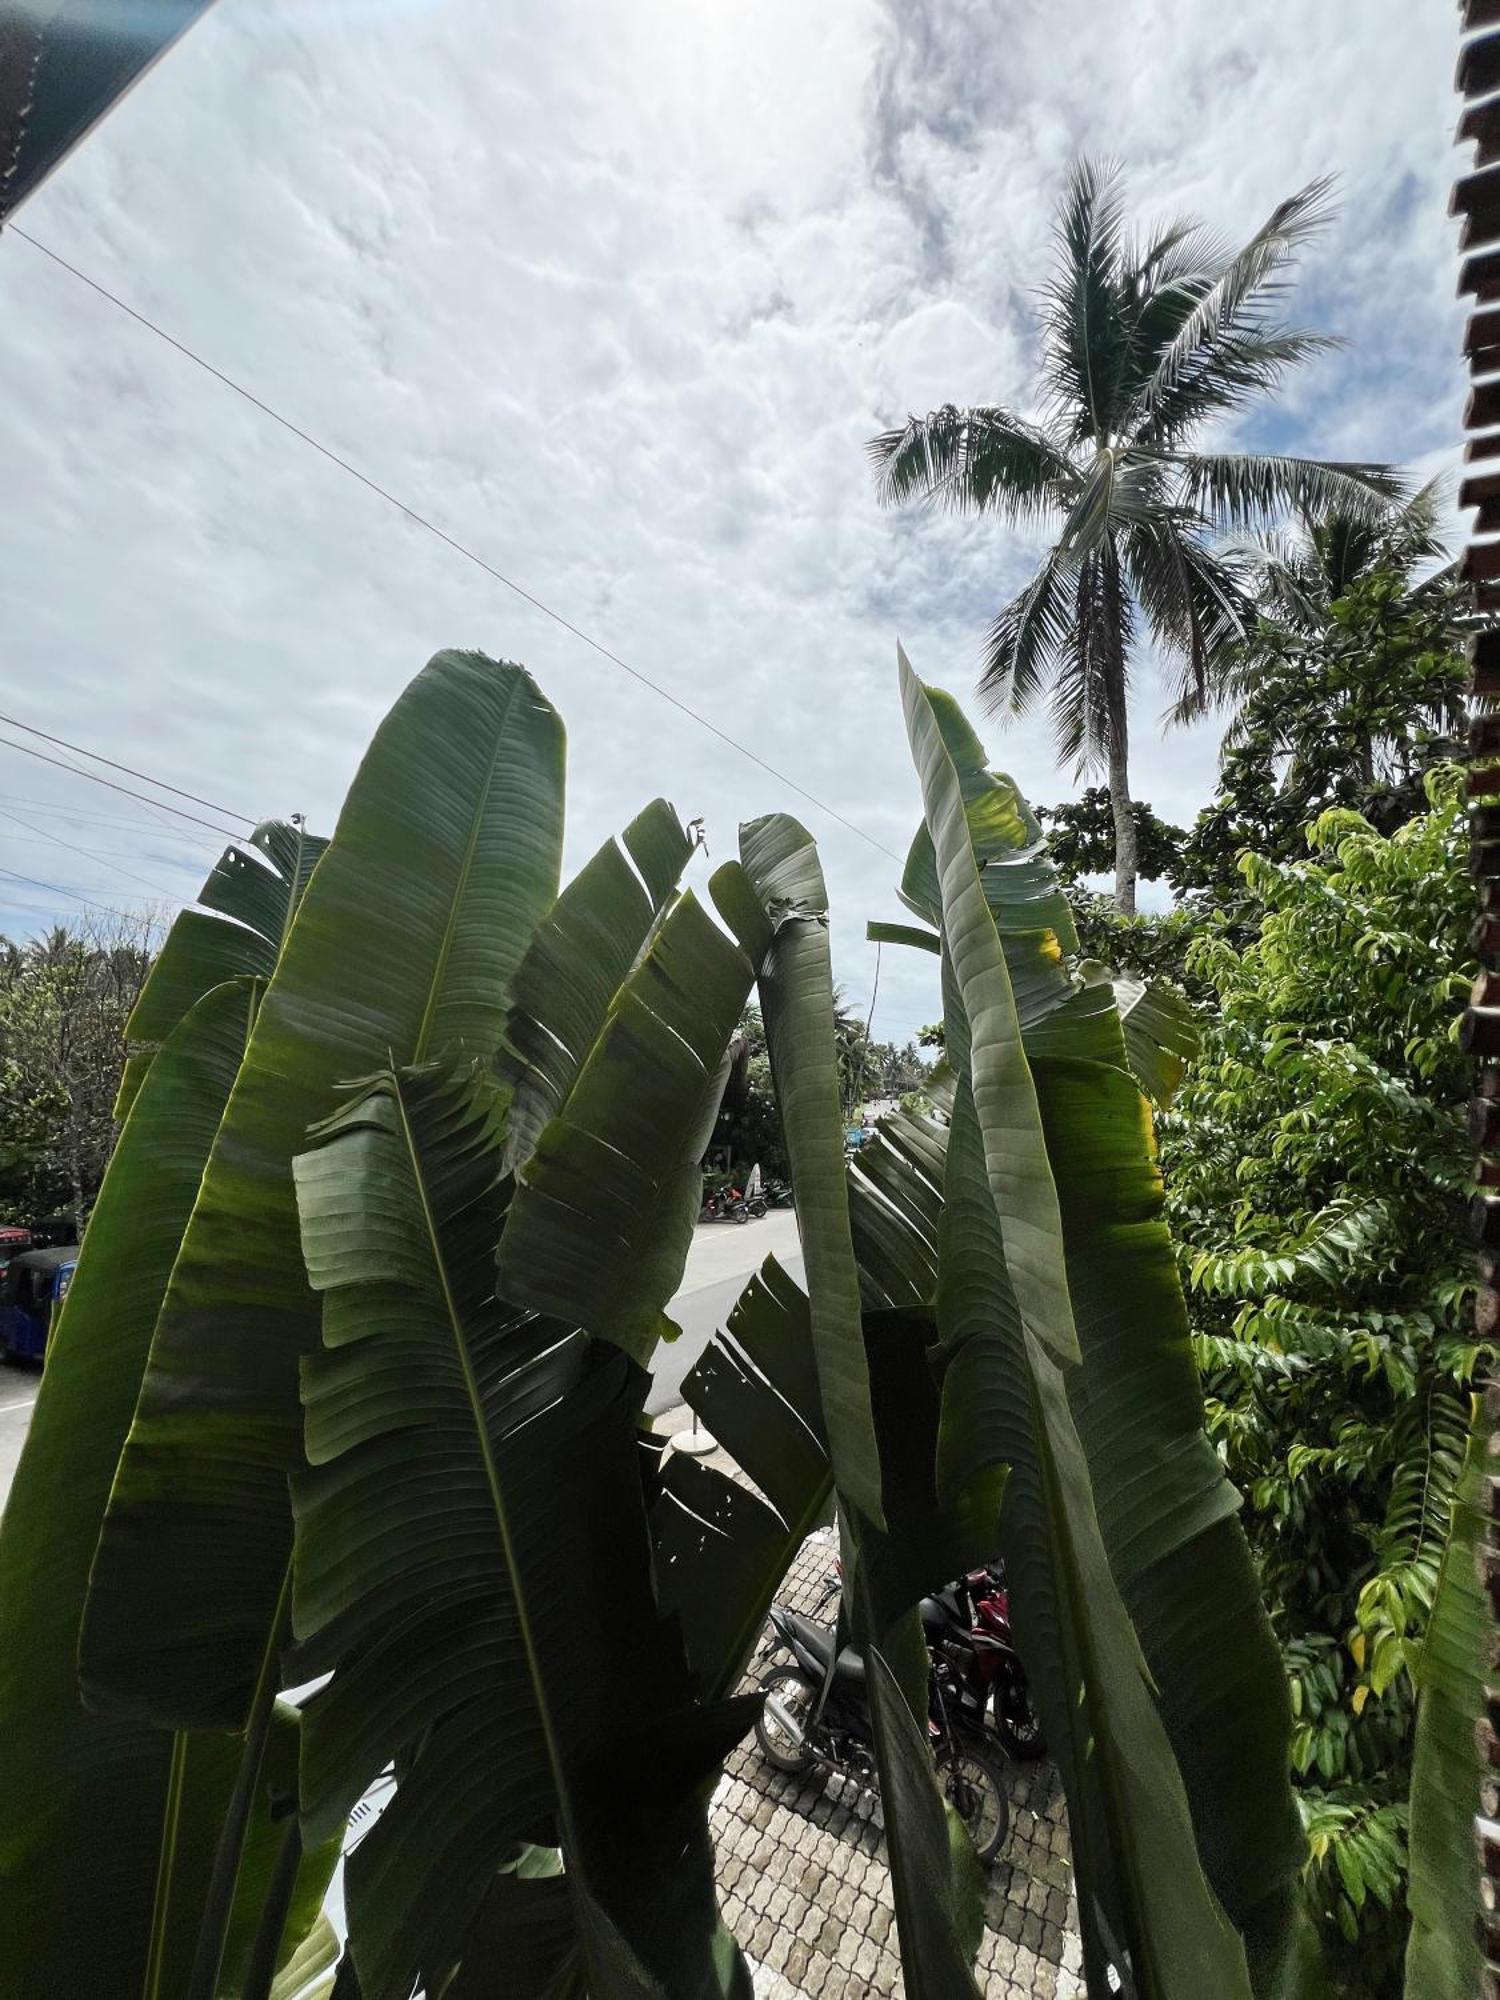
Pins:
<point x="1317" y="1170"/>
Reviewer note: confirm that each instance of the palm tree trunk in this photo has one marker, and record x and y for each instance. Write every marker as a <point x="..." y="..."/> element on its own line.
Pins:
<point x="1121" y="805"/>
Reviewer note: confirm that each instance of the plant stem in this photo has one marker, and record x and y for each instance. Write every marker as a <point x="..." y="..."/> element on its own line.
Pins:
<point x="266" y="1947"/>
<point x="166" y="1862"/>
<point x="218" y="1902"/>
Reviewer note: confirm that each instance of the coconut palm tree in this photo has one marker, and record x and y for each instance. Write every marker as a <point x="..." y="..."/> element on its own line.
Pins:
<point x="1146" y="339"/>
<point x="1301" y="574"/>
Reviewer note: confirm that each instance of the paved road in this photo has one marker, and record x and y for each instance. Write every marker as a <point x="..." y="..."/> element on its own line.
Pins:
<point x="18" y="1387"/>
<point x="722" y="1257"/>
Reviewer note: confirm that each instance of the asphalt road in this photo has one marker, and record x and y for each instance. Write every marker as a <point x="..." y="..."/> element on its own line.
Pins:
<point x="18" y="1387"/>
<point x="722" y="1257"/>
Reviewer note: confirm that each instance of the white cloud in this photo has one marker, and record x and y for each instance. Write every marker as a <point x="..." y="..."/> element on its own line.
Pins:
<point x="617" y="295"/>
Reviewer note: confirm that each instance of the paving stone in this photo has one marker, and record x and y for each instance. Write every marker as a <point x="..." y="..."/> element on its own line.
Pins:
<point x="798" y="1955"/>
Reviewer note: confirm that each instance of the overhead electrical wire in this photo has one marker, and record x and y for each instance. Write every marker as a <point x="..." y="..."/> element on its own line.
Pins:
<point x="130" y="823"/>
<point x="89" y="854"/>
<point x="55" y="889"/>
<point x="459" y="548"/>
<point x="14" y="722"/>
<point x="94" y="778"/>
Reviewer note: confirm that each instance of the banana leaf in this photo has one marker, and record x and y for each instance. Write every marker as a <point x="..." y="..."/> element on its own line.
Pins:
<point x="721" y="1550"/>
<point x="777" y="901"/>
<point x="578" y="959"/>
<point x="1443" y="1959"/>
<point x="1165" y="1506"/>
<point x="107" y="1824"/>
<point x="244" y="912"/>
<point x="878" y="1405"/>
<point x="936" y="1881"/>
<point x="605" y="1205"/>
<point x="1010" y="1350"/>
<point x="445" y="858"/>
<point x="471" y="1511"/>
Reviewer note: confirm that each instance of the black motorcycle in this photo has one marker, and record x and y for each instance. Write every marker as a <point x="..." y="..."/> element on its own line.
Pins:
<point x="797" y="1736"/>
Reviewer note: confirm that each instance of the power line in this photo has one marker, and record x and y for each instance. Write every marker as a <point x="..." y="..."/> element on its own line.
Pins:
<point x="94" y="779"/>
<point x="458" y="547"/>
<point x="129" y="770"/>
<point x="54" y="889"/>
<point x="89" y="853"/>
<point x="74" y="817"/>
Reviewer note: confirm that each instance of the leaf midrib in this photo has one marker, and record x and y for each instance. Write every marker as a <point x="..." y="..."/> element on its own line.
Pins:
<point x="450" y="928"/>
<point x="491" y="1468"/>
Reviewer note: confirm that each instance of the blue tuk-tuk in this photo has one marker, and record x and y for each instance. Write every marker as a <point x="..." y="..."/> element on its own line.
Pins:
<point x="33" y="1288"/>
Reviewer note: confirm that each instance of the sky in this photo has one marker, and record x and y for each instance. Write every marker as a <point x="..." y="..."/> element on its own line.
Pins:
<point x="615" y="296"/>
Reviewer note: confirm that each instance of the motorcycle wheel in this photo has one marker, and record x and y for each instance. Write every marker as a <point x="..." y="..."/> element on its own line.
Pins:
<point x="796" y="1694"/>
<point x="972" y="1780"/>
<point x="742" y="1213"/>
<point x="1016" y="1721"/>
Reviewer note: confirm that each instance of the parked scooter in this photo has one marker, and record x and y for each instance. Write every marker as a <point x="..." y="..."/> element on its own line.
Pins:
<point x="968" y="1624"/>
<point x="802" y="1729"/>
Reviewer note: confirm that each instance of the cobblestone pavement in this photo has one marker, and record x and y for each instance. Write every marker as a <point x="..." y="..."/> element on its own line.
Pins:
<point x="806" y="1888"/>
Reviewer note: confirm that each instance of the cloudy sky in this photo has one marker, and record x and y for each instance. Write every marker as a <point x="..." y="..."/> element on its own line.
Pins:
<point x="615" y="295"/>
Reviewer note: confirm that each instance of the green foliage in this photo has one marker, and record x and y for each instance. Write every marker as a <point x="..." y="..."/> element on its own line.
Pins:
<point x="139" y="1817"/>
<point x="1064" y="1355"/>
<point x="1348" y="705"/>
<point x="1081" y="837"/>
<point x="1316" y="1167"/>
<point x="64" y="1003"/>
<point x="413" y="1344"/>
<point x="748" y="1131"/>
<point x="1443" y="1956"/>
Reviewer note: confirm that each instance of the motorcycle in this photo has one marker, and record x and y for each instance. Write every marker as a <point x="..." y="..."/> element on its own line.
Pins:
<point x="801" y="1728"/>
<point x="968" y="1624"/>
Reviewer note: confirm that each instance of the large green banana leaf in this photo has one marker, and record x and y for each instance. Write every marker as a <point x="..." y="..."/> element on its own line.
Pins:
<point x="1443" y="1959"/>
<point x="107" y="1824"/>
<point x="599" y="1231"/>
<point x="471" y="1520"/>
<point x="777" y="902"/>
<point x="577" y="961"/>
<point x="1009" y="1349"/>
<point x="877" y="1404"/>
<point x="244" y="912"/>
<point x="1164" y="1503"/>
<point x="936" y="1882"/>
<point x="445" y="858"/>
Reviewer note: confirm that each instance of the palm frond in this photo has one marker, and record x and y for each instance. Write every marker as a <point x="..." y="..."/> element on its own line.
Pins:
<point x="1026" y="640"/>
<point x="1195" y="602"/>
<point x="1118" y="491"/>
<point x="1085" y="334"/>
<point x="1300" y="574"/>
<point x="1247" y="279"/>
<point x="1096" y="648"/>
<point x="1245" y="487"/>
<point x="1242" y="363"/>
<point x="980" y="460"/>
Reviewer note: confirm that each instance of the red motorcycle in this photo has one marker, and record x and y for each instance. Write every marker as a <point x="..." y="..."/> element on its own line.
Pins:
<point x="970" y="1621"/>
<point x="967" y="1627"/>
